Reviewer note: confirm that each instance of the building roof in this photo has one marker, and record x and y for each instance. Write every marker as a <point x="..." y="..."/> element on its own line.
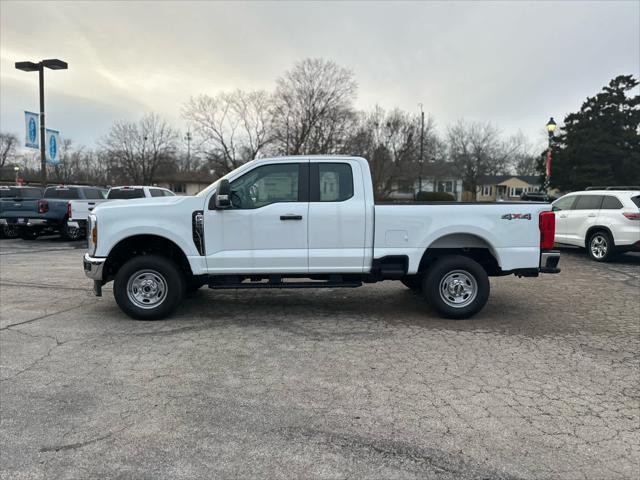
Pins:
<point x="497" y="179"/>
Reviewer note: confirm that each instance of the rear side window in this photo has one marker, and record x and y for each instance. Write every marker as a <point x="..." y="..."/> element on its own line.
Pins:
<point x="611" y="203"/>
<point x="125" y="193"/>
<point x="92" y="194"/>
<point x="63" y="193"/>
<point x="333" y="183"/>
<point x="636" y="200"/>
<point x="564" y="203"/>
<point x="156" y="192"/>
<point x="588" y="202"/>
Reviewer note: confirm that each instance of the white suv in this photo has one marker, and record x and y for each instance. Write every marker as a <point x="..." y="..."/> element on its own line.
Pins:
<point x="604" y="221"/>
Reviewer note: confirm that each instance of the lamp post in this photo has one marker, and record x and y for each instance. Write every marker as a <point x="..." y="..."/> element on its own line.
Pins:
<point x="17" y="170"/>
<point x="551" y="127"/>
<point x="53" y="64"/>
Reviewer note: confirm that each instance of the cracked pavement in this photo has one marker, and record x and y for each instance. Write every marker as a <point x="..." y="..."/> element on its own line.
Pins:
<point x="362" y="383"/>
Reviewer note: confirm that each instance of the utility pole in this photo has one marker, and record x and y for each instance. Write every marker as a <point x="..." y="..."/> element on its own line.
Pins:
<point x="188" y="138"/>
<point x="421" y="149"/>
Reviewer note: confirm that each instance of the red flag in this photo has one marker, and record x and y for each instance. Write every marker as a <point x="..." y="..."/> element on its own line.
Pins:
<point x="548" y="163"/>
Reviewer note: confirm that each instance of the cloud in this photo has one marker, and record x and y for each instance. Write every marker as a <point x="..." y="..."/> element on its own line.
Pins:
<point x="512" y="63"/>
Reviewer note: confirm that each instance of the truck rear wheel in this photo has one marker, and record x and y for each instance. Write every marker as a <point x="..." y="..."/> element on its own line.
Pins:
<point x="456" y="287"/>
<point x="149" y="287"/>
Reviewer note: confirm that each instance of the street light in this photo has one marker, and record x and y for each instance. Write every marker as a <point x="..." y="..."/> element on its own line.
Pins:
<point x="17" y="170"/>
<point x="52" y="64"/>
<point x="551" y="127"/>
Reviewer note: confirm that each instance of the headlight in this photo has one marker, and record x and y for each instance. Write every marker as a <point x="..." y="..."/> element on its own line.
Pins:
<point x="92" y="237"/>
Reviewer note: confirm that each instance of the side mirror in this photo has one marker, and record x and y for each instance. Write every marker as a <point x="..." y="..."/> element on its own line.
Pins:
<point x="554" y="208"/>
<point x="222" y="199"/>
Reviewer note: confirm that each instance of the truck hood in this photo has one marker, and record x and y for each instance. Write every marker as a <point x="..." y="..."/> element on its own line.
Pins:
<point x="143" y="204"/>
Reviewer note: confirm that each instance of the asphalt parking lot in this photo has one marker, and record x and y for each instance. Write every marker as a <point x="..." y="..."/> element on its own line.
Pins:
<point x="363" y="383"/>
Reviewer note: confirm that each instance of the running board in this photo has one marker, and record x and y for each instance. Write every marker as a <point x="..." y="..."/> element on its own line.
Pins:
<point x="232" y="282"/>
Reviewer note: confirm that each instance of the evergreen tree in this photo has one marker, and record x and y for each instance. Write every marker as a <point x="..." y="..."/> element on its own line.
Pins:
<point x="600" y="144"/>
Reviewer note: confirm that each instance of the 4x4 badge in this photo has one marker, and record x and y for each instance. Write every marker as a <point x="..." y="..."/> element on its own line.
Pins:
<point x="517" y="216"/>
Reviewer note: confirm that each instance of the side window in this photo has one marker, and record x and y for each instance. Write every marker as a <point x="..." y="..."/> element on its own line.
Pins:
<point x="92" y="194"/>
<point x="335" y="182"/>
<point x="167" y="193"/>
<point x="611" y="203"/>
<point x="588" y="202"/>
<point x="564" y="203"/>
<point x="155" y="192"/>
<point x="265" y="185"/>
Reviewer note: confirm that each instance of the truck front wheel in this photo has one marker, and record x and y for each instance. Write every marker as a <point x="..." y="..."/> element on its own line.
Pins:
<point x="456" y="287"/>
<point x="149" y="287"/>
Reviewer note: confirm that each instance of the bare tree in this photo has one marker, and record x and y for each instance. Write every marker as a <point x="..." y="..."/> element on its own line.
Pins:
<point x="313" y="107"/>
<point x="8" y="144"/>
<point x="477" y="149"/>
<point x="137" y="150"/>
<point x="390" y="141"/>
<point x="231" y="128"/>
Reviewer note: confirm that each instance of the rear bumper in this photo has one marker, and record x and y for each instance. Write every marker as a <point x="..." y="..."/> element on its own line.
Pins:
<point x="28" y="222"/>
<point x="549" y="260"/>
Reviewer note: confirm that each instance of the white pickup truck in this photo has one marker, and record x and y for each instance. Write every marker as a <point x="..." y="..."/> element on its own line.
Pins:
<point x="302" y="222"/>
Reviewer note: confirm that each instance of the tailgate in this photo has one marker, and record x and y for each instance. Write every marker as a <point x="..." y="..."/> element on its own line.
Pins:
<point x="80" y="209"/>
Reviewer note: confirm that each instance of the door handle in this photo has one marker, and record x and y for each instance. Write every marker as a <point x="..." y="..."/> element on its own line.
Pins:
<point x="290" y="217"/>
<point x="563" y="216"/>
<point x="592" y="215"/>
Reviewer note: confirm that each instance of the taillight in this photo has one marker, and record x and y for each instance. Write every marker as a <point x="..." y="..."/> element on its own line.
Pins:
<point x="632" y="215"/>
<point x="69" y="210"/>
<point x="43" y="206"/>
<point x="547" y="224"/>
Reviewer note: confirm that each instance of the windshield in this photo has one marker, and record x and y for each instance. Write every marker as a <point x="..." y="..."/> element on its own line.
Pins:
<point x="125" y="193"/>
<point x="16" y="192"/>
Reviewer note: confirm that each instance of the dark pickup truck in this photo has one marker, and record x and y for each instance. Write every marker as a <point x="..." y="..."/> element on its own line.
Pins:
<point x="49" y="214"/>
<point x="15" y="203"/>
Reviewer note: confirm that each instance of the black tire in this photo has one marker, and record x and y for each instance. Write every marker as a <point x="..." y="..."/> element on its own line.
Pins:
<point x="153" y="270"/>
<point x="413" y="283"/>
<point x="601" y="247"/>
<point x="10" y="231"/>
<point x="29" y="233"/>
<point x="470" y="280"/>
<point x="70" y="233"/>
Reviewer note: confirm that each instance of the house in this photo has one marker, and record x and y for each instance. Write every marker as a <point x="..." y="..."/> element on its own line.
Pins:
<point x="185" y="183"/>
<point x="435" y="177"/>
<point x="492" y="188"/>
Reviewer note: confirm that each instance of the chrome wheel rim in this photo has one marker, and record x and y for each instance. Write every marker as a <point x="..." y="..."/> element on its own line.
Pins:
<point x="458" y="288"/>
<point x="599" y="246"/>
<point x="147" y="289"/>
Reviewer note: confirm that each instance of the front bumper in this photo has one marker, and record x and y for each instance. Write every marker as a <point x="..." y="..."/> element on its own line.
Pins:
<point x="549" y="261"/>
<point x="93" y="267"/>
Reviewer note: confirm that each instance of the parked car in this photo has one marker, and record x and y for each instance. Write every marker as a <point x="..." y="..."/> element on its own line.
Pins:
<point x="536" y="197"/>
<point x="605" y="222"/>
<point x="12" y="207"/>
<point x="50" y="213"/>
<point x="308" y="222"/>
<point x="79" y="210"/>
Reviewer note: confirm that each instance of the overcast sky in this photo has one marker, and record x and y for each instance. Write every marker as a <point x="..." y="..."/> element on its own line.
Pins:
<point x="511" y="63"/>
